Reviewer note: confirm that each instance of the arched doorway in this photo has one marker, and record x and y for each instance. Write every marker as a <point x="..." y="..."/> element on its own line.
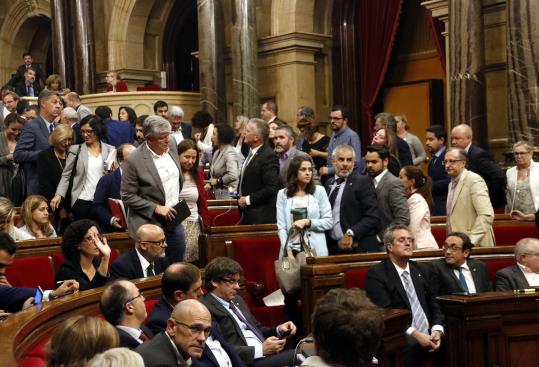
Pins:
<point x="180" y="41"/>
<point x="34" y="36"/>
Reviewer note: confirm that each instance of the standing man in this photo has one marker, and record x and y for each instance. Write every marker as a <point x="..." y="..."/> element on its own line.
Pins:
<point x="72" y="100"/>
<point x="160" y="108"/>
<point x="392" y="204"/>
<point x="342" y="135"/>
<point x="525" y="274"/>
<point x="354" y="207"/>
<point x="28" y="63"/>
<point x="122" y="305"/>
<point x="10" y="100"/>
<point x="35" y="138"/>
<point x="456" y="272"/>
<point x="147" y="259"/>
<point x="481" y="162"/>
<point x="435" y="142"/>
<point x="468" y="206"/>
<point x="397" y="282"/>
<point x="28" y="87"/>
<point x="151" y="185"/>
<point x="179" y="128"/>
<point x="259" y="178"/>
<point x="268" y="112"/>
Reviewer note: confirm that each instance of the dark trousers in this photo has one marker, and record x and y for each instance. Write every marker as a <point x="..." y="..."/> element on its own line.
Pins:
<point x="284" y="358"/>
<point x="82" y="209"/>
<point x="175" y="238"/>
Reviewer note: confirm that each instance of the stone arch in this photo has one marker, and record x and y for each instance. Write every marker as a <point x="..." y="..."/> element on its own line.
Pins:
<point x="117" y="35"/>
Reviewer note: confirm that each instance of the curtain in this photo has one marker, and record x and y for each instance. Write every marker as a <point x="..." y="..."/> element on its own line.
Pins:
<point x="437" y="28"/>
<point x="377" y="22"/>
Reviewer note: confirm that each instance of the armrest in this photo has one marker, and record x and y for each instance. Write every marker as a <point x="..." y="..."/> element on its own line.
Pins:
<point x="255" y="289"/>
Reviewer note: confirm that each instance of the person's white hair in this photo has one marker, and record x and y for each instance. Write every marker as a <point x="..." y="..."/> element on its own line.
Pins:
<point x="175" y="111"/>
<point x="70" y="113"/>
<point x="154" y="125"/>
<point x="117" y="357"/>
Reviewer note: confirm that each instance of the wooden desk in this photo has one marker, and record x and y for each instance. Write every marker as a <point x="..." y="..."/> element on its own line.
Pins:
<point x="395" y="325"/>
<point x="492" y="329"/>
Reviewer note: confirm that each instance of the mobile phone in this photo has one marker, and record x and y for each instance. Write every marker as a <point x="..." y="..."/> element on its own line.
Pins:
<point x="285" y="334"/>
<point x="38" y="297"/>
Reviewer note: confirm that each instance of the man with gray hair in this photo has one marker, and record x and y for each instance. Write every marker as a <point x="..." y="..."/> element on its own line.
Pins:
<point x="180" y="129"/>
<point x="259" y="178"/>
<point x="69" y="116"/>
<point x="151" y="185"/>
<point x="525" y="274"/>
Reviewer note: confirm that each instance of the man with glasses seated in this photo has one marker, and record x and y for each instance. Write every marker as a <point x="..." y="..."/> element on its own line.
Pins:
<point x="525" y="274"/>
<point x="184" y="339"/>
<point x="256" y="345"/>
<point x="468" y="205"/>
<point x="122" y="305"/>
<point x="456" y="272"/>
<point x="146" y="259"/>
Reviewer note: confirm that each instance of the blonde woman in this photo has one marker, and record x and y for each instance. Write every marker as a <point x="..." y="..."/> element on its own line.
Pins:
<point x="7" y="216"/>
<point x="114" y="84"/>
<point x="416" y="148"/>
<point x="523" y="183"/>
<point x="35" y="216"/>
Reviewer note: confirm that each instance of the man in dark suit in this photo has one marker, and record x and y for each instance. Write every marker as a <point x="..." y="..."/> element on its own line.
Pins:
<point x="456" y="272"/>
<point x="118" y="132"/>
<point x="146" y="259"/>
<point x="28" y="87"/>
<point x="525" y="274"/>
<point x="257" y="345"/>
<point x="35" y="138"/>
<point x="268" y="112"/>
<point x="481" y="162"/>
<point x="397" y="282"/>
<point x="392" y="204"/>
<point x="122" y="305"/>
<point x="435" y="142"/>
<point x="354" y="206"/>
<point x="386" y="119"/>
<point x="180" y="129"/>
<point x="183" y="341"/>
<point x="28" y="63"/>
<point x="259" y="178"/>
<point x="107" y="187"/>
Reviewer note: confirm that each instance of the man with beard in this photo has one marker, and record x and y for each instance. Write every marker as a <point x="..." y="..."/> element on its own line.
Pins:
<point x="392" y="203"/>
<point x="435" y="142"/>
<point x="354" y="207"/>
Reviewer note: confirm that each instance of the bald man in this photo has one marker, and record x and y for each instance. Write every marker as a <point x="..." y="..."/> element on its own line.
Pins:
<point x="183" y="341"/>
<point x="481" y="162"/>
<point x="146" y="259"/>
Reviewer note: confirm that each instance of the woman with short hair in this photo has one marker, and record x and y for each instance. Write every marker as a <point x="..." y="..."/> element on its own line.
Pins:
<point x="224" y="168"/>
<point x="114" y="83"/>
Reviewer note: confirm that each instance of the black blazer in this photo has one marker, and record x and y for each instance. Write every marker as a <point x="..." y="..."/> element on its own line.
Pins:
<point x="159" y="352"/>
<point x="405" y="155"/>
<point x="359" y="210"/>
<point x="187" y="130"/>
<point x="12" y="298"/>
<point x="481" y="162"/>
<point x="127" y="341"/>
<point x="157" y="320"/>
<point x="69" y="270"/>
<point x="107" y="187"/>
<point x="261" y="183"/>
<point x="49" y="172"/>
<point x="21" y="88"/>
<point x="127" y="266"/>
<point x="440" y="183"/>
<point x="385" y="289"/>
<point x="231" y="330"/>
<point x="443" y="280"/>
<point x="19" y="74"/>
<point x="510" y="279"/>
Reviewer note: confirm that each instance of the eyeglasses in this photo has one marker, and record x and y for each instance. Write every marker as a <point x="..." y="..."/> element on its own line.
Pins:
<point x="134" y="298"/>
<point x="195" y="330"/>
<point x="335" y="118"/>
<point x="451" y="161"/>
<point x="231" y="282"/>
<point x="160" y="243"/>
<point x="516" y="154"/>
<point x="451" y="248"/>
<point x="87" y="131"/>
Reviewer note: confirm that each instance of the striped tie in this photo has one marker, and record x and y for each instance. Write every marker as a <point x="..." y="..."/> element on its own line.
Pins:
<point x="419" y="320"/>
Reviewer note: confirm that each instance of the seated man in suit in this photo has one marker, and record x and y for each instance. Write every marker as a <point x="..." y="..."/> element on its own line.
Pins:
<point x="184" y="340"/>
<point x="146" y="259"/>
<point x="28" y="63"/>
<point x="122" y="305"/>
<point x="14" y="299"/>
<point x="354" y="206"/>
<point x="107" y="187"/>
<point x="435" y="143"/>
<point x="257" y="345"/>
<point x="28" y="87"/>
<point x="397" y="282"/>
<point x="456" y="272"/>
<point x="525" y="274"/>
<point x="180" y="282"/>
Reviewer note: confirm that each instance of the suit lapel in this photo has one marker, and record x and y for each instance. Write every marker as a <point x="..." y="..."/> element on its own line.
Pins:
<point x="136" y="264"/>
<point x="396" y="280"/>
<point x="84" y="157"/>
<point x="221" y="309"/>
<point x="522" y="282"/>
<point x="419" y="285"/>
<point x="475" y="275"/>
<point x="458" y="189"/>
<point x="43" y="127"/>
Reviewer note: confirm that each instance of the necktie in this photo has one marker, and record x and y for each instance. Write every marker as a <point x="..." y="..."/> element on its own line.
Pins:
<point x="29" y="91"/>
<point x="149" y="270"/>
<point x="419" y="320"/>
<point x="335" y="191"/>
<point x="250" y="326"/>
<point x="247" y="160"/>
<point x="462" y="280"/>
<point x="143" y="336"/>
<point x="51" y="128"/>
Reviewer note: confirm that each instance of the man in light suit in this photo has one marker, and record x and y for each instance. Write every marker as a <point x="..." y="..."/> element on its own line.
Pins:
<point x="435" y="142"/>
<point x="397" y="282"/>
<point x="456" y="272"/>
<point x="146" y="259"/>
<point x="35" y="138"/>
<point x="525" y="274"/>
<point x="259" y="177"/>
<point x="468" y="206"/>
<point x="151" y="185"/>
<point x="354" y="207"/>
<point x="392" y="204"/>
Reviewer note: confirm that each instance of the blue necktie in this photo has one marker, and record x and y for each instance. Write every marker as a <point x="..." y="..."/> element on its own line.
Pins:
<point x="462" y="280"/>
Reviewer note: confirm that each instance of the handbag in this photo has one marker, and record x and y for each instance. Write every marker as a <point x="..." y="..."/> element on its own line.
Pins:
<point x="288" y="268"/>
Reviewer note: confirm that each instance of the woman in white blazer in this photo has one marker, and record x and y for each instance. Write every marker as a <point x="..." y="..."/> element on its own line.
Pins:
<point x="224" y="168"/>
<point x="418" y="189"/>
<point x="88" y="160"/>
<point x="522" y="191"/>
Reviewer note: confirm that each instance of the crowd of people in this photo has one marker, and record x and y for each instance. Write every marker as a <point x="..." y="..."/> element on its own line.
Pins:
<point x="64" y="165"/>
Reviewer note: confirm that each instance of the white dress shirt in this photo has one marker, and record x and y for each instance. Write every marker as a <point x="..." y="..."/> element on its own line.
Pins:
<point x="467" y="277"/>
<point x="218" y="352"/>
<point x="531" y="277"/>
<point x="169" y="175"/>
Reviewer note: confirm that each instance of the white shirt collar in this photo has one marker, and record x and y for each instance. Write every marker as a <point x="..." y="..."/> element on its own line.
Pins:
<point x="378" y="178"/>
<point x="178" y="355"/>
<point x="154" y="154"/>
<point x="401" y="270"/>
<point x="468" y="147"/>
<point x="135" y="333"/>
<point x="254" y="150"/>
<point x="143" y="262"/>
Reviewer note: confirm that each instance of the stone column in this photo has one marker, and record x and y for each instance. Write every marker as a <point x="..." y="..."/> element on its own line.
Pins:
<point x="244" y="58"/>
<point x="59" y="43"/>
<point x="522" y="70"/>
<point x="210" y="57"/>
<point x="466" y="67"/>
<point x="83" y="46"/>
